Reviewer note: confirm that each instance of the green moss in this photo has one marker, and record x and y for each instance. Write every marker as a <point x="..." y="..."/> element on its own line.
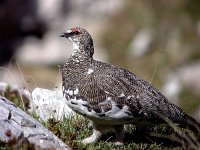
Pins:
<point x="142" y="136"/>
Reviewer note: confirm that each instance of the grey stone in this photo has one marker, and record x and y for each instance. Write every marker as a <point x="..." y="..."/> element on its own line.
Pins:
<point x="17" y="127"/>
<point x="49" y="104"/>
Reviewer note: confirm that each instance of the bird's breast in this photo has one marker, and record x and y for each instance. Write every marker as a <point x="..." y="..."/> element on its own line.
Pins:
<point x="109" y="111"/>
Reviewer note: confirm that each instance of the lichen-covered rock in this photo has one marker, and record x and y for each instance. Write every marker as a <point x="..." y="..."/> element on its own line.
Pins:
<point x="17" y="127"/>
<point x="48" y="104"/>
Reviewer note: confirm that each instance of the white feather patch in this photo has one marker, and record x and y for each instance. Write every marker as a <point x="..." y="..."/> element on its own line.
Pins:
<point x="122" y="95"/>
<point x="69" y="92"/>
<point x="75" y="46"/>
<point x="78" y="106"/>
<point x="120" y="113"/>
<point x="76" y="91"/>
<point x="130" y="96"/>
<point x="90" y="71"/>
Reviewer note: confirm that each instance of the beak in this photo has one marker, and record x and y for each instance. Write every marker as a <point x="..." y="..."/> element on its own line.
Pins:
<point x="66" y="34"/>
<point x="62" y="35"/>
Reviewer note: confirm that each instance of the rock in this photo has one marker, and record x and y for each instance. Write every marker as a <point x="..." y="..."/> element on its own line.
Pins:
<point x="3" y="87"/>
<point x="172" y="88"/>
<point x="44" y="103"/>
<point x="141" y="42"/>
<point x="48" y="104"/>
<point x="186" y="76"/>
<point x="17" y="127"/>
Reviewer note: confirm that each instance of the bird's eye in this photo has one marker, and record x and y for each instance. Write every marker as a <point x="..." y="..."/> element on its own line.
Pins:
<point x="76" y="32"/>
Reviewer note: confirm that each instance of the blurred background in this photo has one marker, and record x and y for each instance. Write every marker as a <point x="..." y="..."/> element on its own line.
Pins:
<point x="157" y="40"/>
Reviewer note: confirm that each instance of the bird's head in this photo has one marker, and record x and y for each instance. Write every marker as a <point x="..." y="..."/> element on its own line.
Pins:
<point x="81" y="39"/>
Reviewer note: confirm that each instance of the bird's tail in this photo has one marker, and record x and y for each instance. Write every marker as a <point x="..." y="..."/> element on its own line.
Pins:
<point x="176" y="115"/>
<point x="192" y="124"/>
<point x="184" y="120"/>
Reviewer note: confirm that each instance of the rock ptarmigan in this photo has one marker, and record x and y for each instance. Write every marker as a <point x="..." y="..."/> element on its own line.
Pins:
<point x="111" y="96"/>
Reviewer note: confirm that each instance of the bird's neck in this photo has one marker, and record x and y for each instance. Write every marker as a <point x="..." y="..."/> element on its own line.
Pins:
<point x="82" y="54"/>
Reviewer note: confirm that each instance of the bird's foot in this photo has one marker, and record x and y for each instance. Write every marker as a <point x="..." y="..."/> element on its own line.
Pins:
<point x="93" y="138"/>
<point x="87" y="140"/>
<point x="119" y="143"/>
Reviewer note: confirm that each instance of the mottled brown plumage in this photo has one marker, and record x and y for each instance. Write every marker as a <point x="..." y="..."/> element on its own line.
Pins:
<point x="111" y="96"/>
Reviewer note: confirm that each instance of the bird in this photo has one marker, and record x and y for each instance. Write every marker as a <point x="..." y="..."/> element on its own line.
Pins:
<point x="112" y="96"/>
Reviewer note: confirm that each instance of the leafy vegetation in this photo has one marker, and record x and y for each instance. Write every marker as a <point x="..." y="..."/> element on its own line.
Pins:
<point x="73" y="130"/>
